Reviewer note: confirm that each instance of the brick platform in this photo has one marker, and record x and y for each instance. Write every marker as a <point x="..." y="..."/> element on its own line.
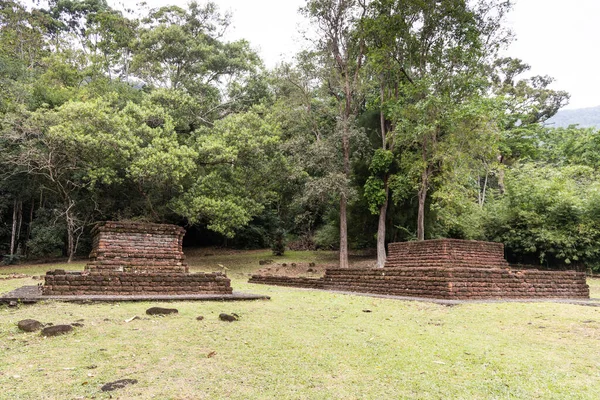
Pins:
<point x="445" y="269"/>
<point x="446" y="253"/>
<point x="131" y="258"/>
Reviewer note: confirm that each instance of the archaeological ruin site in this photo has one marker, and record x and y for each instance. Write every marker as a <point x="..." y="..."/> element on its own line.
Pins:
<point x="449" y="269"/>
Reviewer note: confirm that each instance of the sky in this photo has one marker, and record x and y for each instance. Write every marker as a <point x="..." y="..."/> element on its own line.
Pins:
<point x="556" y="37"/>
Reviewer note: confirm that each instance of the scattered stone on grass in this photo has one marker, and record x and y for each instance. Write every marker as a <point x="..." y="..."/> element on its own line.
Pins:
<point x="228" y="317"/>
<point x="121" y="383"/>
<point x="13" y="276"/>
<point x="161" y="311"/>
<point x="367" y="311"/>
<point x="200" y="318"/>
<point x="77" y="324"/>
<point x="211" y="354"/>
<point x="56" y="330"/>
<point x="265" y="262"/>
<point x="30" y="325"/>
<point x="12" y="303"/>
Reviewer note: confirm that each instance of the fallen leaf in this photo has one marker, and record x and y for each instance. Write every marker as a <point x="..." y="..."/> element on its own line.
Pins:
<point x="211" y="354"/>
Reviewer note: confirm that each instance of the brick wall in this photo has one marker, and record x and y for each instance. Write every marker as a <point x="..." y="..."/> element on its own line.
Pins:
<point x="446" y="252"/>
<point x="137" y="247"/>
<point x="460" y="282"/>
<point x="60" y="282"/>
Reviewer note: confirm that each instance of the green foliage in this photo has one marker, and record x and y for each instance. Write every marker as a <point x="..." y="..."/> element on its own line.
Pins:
<point x="47" y="236"/>
<point x="328" y="236"/>
<point x="549" y="214"/>
<point x="235" y="161"/>
<point x="374" y="191"/>
<point x="381" y="162"/>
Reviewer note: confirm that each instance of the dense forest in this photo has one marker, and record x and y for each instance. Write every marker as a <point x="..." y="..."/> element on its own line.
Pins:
<point x="402" y="120"/>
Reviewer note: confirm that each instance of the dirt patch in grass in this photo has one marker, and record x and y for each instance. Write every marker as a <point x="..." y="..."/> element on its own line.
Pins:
<point x="308" y="270"/>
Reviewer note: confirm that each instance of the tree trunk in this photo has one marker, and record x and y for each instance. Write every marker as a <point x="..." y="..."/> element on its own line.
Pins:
<point x="29" y="226"/>
<point x="421" y="212"/>
<point x="70" y="219"/>
<point x="381" y="255"/>
<point x="343" y="233"/>
<point x="501" y="186"/>
<point x="19" y="225"/>
<point x="13" y="236"/>
<point x="343" y="199"/>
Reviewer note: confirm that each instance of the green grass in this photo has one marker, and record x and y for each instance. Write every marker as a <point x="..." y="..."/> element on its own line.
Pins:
<point x="302" y="345"/>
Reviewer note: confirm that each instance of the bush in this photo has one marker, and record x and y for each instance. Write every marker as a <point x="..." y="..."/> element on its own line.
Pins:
<point x="278" y="245"/>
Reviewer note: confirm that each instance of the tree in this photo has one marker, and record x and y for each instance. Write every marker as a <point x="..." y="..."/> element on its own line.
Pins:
<point x="428" y="66"/>
<point x="342" y="50"/>
<point x="183" y="49"/>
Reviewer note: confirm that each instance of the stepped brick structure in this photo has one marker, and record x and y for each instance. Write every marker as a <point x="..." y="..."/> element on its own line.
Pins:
<point x="445" y="269"/>
<point x="132" y="258"/>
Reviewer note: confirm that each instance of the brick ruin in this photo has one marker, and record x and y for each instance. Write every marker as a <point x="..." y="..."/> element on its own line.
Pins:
<point x="449" y="269"/>
<point x="132" y="258"/>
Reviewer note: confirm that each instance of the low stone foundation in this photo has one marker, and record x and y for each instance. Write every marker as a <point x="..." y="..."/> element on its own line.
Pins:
<point x="60" y="283"/>
<point x="131" y="258"/>
<point x="460" y="282"/>
<point x="308" y="283"/>
<point x="452" y="270"/>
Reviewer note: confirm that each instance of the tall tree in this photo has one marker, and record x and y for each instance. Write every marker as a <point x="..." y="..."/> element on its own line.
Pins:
<point x="430" y="62"/>
<point x="342" y="50"/>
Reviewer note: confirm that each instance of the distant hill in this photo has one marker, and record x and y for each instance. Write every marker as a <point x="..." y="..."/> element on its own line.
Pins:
<point x="585" y="117"/>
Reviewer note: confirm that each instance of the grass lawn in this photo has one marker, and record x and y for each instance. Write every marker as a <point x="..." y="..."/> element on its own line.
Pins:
<point x="301" y="345"/>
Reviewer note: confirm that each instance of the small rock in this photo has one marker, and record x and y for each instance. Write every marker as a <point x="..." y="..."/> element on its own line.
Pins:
<point x="199" y="318"/>
<point x="227" y="317"/>
<point x="56" y="330"/>
<point x="77" y="324"/>
<point x="161" y="311"/>
<point x="121" y="383"/>
<point x="367" y="311"/>
<point x="12" y="304"/>
<point x="312" y="264"/>
<point x="284" y="265"/>
<point x="265" y="262"/>
<point x="30" y="325"/>
<point x="293" y="264"/>
<point x="310" y="270"/>
<point x="92" y="366"/>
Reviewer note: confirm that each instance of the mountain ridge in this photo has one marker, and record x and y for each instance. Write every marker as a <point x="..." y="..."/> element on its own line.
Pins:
<point x="588" y="117"/>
